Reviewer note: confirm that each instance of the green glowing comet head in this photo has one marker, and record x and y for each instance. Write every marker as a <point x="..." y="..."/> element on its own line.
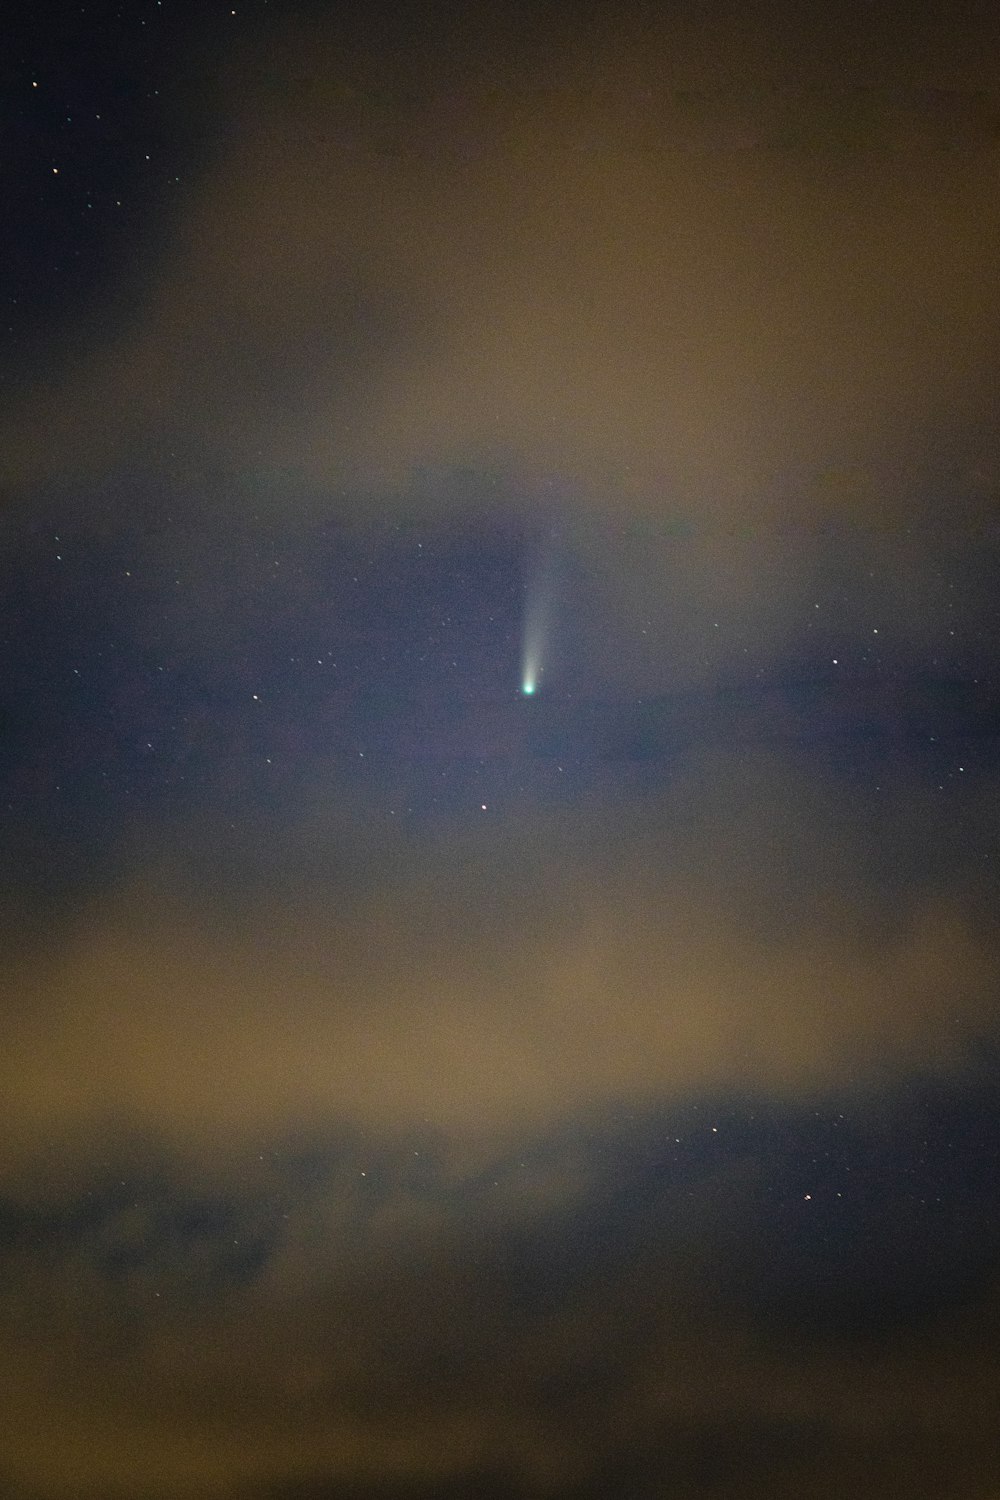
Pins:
<point x="527" y="687"/>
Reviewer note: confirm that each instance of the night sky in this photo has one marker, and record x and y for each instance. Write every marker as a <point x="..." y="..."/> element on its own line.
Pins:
<point x="500" y="751"/>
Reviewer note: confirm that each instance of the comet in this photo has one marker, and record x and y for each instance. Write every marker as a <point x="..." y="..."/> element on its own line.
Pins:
<point x="538" y="595"/>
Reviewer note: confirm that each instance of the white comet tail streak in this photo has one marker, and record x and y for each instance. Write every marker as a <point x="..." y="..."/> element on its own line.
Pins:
<point x="536" y="612"/>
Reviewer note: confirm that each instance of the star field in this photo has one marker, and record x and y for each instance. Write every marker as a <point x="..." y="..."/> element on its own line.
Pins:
<point x="499" y="742"/>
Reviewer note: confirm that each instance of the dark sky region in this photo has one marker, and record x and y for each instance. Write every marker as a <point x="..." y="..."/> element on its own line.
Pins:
<point x="411" y="1087"/>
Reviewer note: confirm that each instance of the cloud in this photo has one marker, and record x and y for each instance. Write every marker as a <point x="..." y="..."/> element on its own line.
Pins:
<point x="398" y="1334"/>
<point x="733" y="934"/>
<point x="693" y="297"/>
<point x="405" y="1183"/>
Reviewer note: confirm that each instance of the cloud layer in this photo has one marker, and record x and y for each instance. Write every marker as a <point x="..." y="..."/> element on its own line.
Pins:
<point x="735" y="932"/>
<point x="696" y="281"/>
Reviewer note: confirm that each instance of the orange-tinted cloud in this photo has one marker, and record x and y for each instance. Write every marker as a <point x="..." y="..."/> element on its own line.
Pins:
<point x="694" y="281"/>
